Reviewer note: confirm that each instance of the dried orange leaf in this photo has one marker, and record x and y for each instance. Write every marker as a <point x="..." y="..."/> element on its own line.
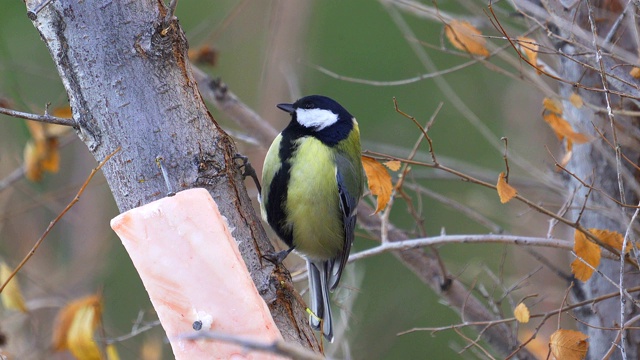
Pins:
<point x="569" y="344"/>
<point x="553" y="105"/>
<point x="32" y="168"/>
<point x="521" y="312"/>
<point x="11" y="296"/>
<point x="75" y="325"/>
<point x="41" y="152"/>
<point x="529" y="48"/>
<point x="563" y="129"/>
<point x="464" y="36"/>
<point x="635" y="72"/>
<point x="587" y="251"/>
<point x="611" y="238"/>
<point x="62" y="112"/>
<point x="204" y="55"/>
<point x="538" y="345"/>
<point x="55" y="130"/>
<point x="379" y="181"/>
<point x="151" y="349"/>
<point x="505" y="191"/>
<point x="576" y="100"/>
<point x="37" y="130"/>
<point x="393" y="165"/>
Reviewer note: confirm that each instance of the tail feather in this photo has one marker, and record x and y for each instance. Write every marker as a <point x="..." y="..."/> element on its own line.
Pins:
<point x="319" y="295"/>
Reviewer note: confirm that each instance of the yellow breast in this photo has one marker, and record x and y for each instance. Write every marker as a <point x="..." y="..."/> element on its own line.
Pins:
<point x="313" y="201"/>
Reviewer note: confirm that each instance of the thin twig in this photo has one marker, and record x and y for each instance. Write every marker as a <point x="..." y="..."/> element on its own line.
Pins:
<point x="277" y="347"/>
<point x="519" y="197"/>
<point x="505" y="158"/>
<point x="55" y="221"/>
<point x="461" y="239"/>
<point x="588" y="302"/>
<point x="46" y="118"/>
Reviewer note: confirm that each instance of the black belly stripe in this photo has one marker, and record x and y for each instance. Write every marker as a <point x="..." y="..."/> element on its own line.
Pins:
<point x="277" y="201"/>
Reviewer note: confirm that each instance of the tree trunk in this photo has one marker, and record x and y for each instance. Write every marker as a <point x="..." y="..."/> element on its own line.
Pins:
<point x="125" y="69"/>
<point x="600" y="76"/>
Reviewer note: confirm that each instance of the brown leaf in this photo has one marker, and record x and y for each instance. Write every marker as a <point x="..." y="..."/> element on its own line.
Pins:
<point x="505" y="191"/>
<point x="563" y="129"/>
<point x="521" y="312"/>
<point x="393" y="165"/>
<point x="553" y="105"/>
<point x="464" y="36"/>
<point x="635" y="72"/>
<point x="569" y="344"/>
<point x="11" y="296"/>
<point x="576" y="100"/>
<point x="589" y="252"/>
<point x="379" y="181"/>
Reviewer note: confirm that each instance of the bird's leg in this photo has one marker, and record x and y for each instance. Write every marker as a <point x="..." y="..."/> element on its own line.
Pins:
<point x="247" y="170"/>
<point x="278" y="257"/>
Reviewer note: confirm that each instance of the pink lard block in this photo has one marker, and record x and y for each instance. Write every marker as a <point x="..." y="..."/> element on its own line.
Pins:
<point x="191" y="267"/>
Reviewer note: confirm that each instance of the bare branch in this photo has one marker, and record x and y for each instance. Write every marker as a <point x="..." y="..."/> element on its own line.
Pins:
<point x="46" y="118"/>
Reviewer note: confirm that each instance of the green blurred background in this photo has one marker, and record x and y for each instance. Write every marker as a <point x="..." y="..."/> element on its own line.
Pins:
<point x="267" y="53"/>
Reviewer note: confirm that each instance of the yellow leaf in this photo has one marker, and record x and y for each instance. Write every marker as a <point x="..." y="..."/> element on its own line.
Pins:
<point x="576" y="100"/>
<point x="552" y="105"/>
<point x="379" y="181"/>
<point x="80" y="339"/>
<point x="112" y="352"/>
<point x="75" y="325"/>
<point x="151" y="349"/>
<point x="505" y="191"/>
<point x="635" y="72"/>
<point x="569" y="344"/>
<point x="393" y="165"/>
<point x="563" y="129"/>
<point x="529" y="48"/>
<point x="11" y="296"/>
<point x="611" y="238"/>
<point x="521" y="312"/>
<point x="589" y="252"/>
<point x="464" y="36"/>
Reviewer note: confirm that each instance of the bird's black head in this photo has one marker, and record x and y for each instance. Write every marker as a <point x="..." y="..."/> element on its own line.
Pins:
<point x="320" y="117"/>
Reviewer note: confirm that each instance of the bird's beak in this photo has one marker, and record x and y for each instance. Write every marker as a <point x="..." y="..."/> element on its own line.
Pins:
<point x="286" y="107"/>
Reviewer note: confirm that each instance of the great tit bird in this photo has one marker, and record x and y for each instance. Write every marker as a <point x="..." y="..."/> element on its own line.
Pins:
<point x="312" y="181"/>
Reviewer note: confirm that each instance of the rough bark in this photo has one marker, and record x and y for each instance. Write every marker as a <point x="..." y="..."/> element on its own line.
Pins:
<point x="600" y="75"/>
<point x="130" y="85"/>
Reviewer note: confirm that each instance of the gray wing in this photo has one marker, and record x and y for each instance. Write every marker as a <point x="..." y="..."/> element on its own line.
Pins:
<point x="349" y="191"/>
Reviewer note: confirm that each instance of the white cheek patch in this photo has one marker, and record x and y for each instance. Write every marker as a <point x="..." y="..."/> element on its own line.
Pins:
<point x="316" y="119"/>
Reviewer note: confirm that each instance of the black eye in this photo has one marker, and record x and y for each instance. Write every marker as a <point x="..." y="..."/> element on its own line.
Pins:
<point x="308" y="105"/>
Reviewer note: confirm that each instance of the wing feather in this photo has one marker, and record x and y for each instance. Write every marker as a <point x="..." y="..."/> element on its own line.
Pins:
<point x="345" y="177"/>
